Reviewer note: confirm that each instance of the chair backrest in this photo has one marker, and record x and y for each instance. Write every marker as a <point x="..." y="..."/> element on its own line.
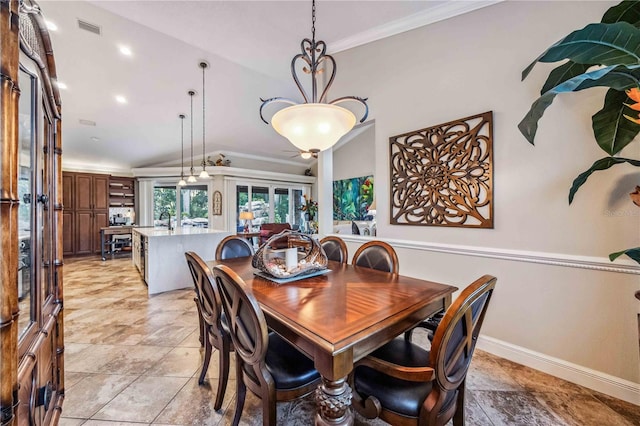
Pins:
<point x="377" y="255"/>
<point x="453" y="345"/>
<point x="233" y="246"/>
<point x="335" y="249"/>
<point x="247" y="325"/>
<point x="207" y="293"/>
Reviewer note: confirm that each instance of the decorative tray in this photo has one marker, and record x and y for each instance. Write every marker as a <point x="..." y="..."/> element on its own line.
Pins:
<point x="270" y="277"/>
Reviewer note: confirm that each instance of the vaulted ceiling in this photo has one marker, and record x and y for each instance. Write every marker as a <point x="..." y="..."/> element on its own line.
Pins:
<point x="248" y="44"/>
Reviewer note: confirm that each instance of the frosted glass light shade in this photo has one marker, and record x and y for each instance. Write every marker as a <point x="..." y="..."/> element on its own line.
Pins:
<point x="192" y="179"/>
<point x="182" y="182"/>
<point x="313" y="126"/>
<point x="204" y="174"/>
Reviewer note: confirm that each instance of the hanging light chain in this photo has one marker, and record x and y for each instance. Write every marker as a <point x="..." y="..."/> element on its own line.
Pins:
<point x="181" y="145"/>
<point x="204" y="162"/>
<point x="313" y="21"/>
<point x="191" y="93"/>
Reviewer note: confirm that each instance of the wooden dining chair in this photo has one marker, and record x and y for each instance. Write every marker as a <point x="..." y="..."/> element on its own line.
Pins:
<point x="404" y="384"/>
<point x="335" y="249"/>
<point x="265" y="363"/>
<point x="233" y="246"/>
<point x="212" y="320"/>
<point x="376" y="255"/>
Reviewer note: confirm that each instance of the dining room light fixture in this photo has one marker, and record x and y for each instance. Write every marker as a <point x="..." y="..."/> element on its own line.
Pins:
<point x="203" y="173"/>
<point x="182" y="182"/>
<point x="316" y="124"/>
<point x="192" y="176"/>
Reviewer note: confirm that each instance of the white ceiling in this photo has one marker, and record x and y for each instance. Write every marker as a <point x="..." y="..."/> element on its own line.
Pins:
<point x="249" y="45"/>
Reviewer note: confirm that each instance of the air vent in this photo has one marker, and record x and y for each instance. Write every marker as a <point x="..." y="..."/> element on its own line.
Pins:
<point x="87" y="122"/>
<point x="92" y="28"/>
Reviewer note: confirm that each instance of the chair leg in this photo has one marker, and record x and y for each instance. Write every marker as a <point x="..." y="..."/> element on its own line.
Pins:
<point x="268" y="411"/>
<point x="200" y="322"/>
<point x="241" y="393"/>
<point x="458" y="417"/>
<point x="223" y="373"/>
<point x="205" y="364"/>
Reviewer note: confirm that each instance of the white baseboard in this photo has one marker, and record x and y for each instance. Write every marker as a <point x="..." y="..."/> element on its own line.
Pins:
<point x="592" y="379"/>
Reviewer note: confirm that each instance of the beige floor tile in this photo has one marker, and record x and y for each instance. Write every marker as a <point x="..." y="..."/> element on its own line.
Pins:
<point x="193" y="405"/>
<point x="92" y="393"/>
<point x="192" y="340"/>
<point x="67" y="421"/>
<point x="581" y="410"/>
<point x="179" y="362"/>
<point x="142" y="400"/>
<point x="133" y="359"/>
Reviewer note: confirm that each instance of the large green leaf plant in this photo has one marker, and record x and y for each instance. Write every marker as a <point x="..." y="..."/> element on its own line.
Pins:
<point x="605" y="54"/>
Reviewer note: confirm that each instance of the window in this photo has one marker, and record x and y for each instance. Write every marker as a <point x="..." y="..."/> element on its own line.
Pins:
<point x="194" y="206"/>
<point x="164" y="201"/>
<point x="270" y="204"/>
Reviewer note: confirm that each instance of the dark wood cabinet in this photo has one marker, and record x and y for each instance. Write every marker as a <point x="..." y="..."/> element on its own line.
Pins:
<point x="122" y="192"/>
<point x="88" y="211"/>
<point x="32" y="239"/>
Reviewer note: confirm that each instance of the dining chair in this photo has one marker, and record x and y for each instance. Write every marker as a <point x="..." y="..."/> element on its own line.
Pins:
<point x="265" y="363"/>
<point x="216" y="333"/>
<point x="335" y="249"/>
<point x="233" y="246"/>
<point x="376" y="255"/>
<point x="404" y="384"/>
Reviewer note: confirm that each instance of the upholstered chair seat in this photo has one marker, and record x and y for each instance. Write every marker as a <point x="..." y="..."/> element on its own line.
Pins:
<point x="233" y="246"/>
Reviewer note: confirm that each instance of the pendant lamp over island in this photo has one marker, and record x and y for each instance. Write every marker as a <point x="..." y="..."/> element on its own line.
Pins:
<point x="192" y="177"/>
<point x="316" y="124"/>
<point x="182" y="182"/>
<point x="203" y="173"/>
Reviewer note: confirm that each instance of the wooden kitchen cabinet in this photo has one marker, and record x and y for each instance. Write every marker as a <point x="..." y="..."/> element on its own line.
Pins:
<point x="86" y="211"/>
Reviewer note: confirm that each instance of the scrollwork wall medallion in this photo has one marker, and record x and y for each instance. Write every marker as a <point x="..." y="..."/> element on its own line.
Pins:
<point x="443" y="175"/>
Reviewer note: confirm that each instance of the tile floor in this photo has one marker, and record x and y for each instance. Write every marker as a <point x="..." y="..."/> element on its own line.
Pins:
<point x="133" y="359"/>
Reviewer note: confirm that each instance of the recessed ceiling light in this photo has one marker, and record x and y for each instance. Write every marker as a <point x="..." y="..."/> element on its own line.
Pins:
<point x="87" y="122"/>
<point x="95" y="139"/>
<point x="61" y="85"/>
<point x="51" y="26"/>
<point x="121" y="99"/>
<point x="125" y="50"/>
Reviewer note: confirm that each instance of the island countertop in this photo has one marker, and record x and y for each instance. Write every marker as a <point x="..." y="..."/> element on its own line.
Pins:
<point x="179" y="231"/>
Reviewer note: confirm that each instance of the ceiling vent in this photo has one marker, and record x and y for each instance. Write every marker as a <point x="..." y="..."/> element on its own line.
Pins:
<point x="87" y="122"/>
<point x="92" y="28"/>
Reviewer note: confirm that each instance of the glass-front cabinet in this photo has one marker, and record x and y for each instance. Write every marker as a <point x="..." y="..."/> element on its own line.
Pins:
<point x="31" y="332"/>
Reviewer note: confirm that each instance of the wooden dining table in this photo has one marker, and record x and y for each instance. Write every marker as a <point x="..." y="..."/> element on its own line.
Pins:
<point x="339" y="317"/>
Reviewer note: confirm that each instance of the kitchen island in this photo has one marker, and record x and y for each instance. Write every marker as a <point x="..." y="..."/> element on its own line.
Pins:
<point x="158" y="253"/>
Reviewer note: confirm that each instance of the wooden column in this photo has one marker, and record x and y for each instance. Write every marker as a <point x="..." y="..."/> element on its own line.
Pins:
<point x="9" y="95"/>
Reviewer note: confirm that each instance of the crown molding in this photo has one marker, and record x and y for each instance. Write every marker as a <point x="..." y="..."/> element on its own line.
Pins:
<point x="428" y="16"/>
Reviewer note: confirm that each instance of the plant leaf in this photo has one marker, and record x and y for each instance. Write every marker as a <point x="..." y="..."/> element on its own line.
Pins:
<point x="563" y="73"/>
<point x="602" y="44"/>
<point x="633" y="253"/>
<point x="601" y="164"/>
<point x="529" y="124"/>
<point x="612" y="131"/>
<point x="626" y="11"/>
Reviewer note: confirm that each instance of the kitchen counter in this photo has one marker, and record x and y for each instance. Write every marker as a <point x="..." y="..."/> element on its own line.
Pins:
<point x="158" y="253"/>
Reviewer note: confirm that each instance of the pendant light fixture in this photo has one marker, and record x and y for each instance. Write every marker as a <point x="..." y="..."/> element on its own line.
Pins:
<point x="203" y="173"/>
<point x="192" y="177"/>
<point x="316" y="124"/>
<point x="181" y="182"/>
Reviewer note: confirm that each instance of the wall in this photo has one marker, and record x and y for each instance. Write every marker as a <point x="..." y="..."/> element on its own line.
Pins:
<point x="356" y="157"/>
<point x="557" y="298"/>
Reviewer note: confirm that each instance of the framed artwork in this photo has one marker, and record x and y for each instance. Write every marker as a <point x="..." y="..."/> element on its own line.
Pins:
<point x="352" y="198"/>
<point x="443" y="175"/>
<point x="217" y="203"/>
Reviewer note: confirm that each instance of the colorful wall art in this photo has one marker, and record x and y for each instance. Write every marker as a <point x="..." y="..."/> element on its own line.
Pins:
<point x="352" y="198"/>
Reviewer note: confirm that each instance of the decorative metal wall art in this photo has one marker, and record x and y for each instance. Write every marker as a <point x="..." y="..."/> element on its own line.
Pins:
<point x="217" y="203"/>
<point x="443" y="175"/>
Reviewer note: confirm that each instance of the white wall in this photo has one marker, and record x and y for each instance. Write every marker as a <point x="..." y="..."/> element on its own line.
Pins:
<point x="357" y="157"/>
<point x="561" y="309"/>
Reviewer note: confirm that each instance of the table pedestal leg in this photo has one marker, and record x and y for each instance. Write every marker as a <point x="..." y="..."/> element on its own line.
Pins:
<point x="333" y="401"/>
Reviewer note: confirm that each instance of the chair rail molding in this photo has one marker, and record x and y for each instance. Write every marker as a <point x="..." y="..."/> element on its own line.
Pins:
<point x="621" y="266"/>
